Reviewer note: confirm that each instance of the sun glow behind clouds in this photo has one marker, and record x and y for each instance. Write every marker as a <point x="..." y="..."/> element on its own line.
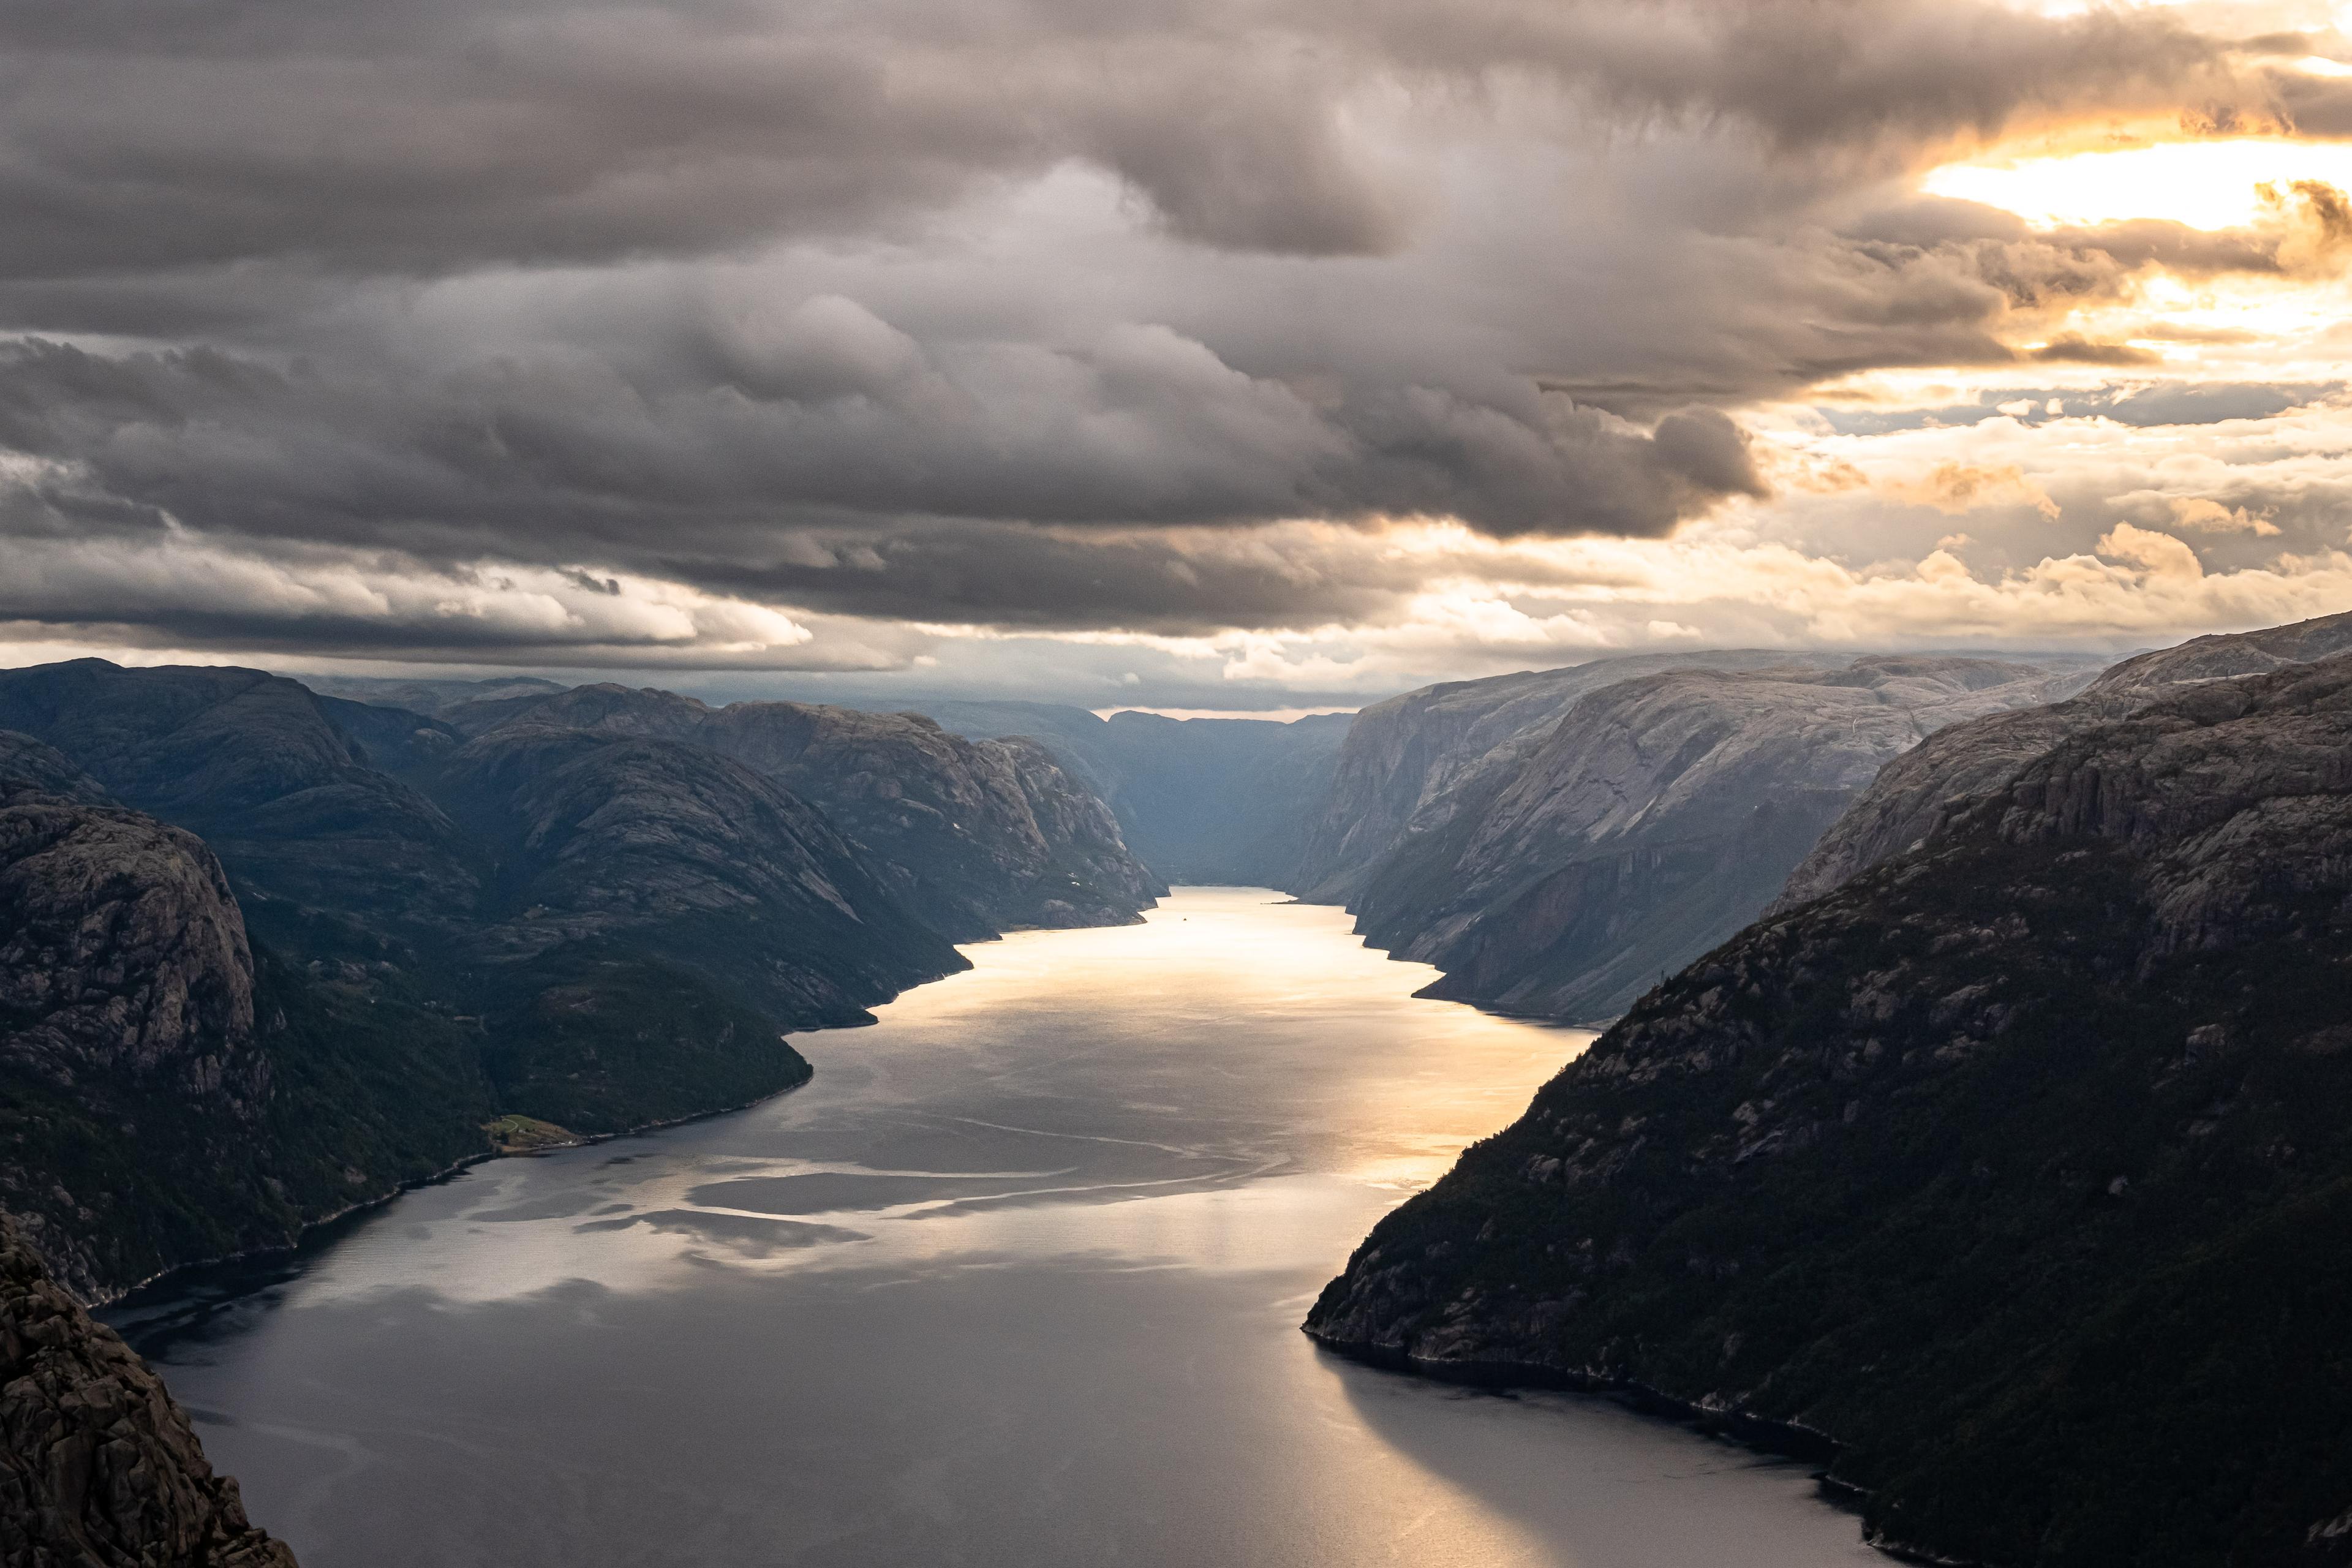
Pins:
<point x="2205" y="184"/>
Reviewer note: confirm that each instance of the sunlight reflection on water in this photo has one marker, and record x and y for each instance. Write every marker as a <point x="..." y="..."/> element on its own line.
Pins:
<point x="1016" y="1280"/>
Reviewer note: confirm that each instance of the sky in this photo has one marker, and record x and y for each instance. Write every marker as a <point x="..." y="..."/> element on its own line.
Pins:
<point x="1212" y="355"/>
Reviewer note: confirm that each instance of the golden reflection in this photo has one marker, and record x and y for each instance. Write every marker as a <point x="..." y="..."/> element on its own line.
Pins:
<point x="1237" y="1084"/>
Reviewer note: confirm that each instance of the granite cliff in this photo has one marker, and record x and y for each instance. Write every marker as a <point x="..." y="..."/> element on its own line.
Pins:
<point x="99" y="1466"/>
<point x="165" y="1094"/>
<point x="2012" y="1175"/>
<point x="1565" y="872"/>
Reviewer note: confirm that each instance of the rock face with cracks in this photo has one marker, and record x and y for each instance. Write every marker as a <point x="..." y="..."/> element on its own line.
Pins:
<point x="99" y="1466"/>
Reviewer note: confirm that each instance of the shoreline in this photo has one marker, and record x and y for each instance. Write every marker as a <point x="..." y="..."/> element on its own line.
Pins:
<point x="306" y="1235"/>
<point x="1783" y="1439"/>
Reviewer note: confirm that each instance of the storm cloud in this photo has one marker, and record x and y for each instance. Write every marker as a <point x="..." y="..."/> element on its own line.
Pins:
<point x="709" y="330"/>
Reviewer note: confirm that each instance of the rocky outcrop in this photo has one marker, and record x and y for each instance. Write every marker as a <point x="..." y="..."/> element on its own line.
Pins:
<point x="2012" y="1169"/>
<point x="124" y="977"/>
<point x="952" y="826"/>
<point x="1564" y="875"/>
<point x="99" y="1465"/>
<point x="31" y="764"/>
<point x="1911" y="796"/>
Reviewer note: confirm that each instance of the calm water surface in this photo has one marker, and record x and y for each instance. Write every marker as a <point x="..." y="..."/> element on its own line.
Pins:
<point x="1016" y="1280"/>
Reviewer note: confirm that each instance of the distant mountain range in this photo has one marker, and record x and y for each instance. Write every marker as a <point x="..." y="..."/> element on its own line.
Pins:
<point x="1558" y="843"/>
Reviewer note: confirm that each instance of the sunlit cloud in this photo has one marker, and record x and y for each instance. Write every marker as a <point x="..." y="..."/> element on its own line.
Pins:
<point x="2205" y="184"/>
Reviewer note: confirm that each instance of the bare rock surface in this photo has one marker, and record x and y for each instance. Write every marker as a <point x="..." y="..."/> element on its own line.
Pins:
<point x="1914" y="794"/>
<point x="125" y="970"/>
<point x="99" y="1465"/>
<point x="1404" y="756"/>
<point x="1564" y="874"/>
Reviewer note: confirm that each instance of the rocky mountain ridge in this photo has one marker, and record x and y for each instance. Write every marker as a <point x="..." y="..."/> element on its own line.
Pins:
<point x="1563" y="873"/>
<point x="2011" y="1168"/>
<point x="978" y="836"/>
<point x="1404" y="756"/>
<point x="1912" y="794"/>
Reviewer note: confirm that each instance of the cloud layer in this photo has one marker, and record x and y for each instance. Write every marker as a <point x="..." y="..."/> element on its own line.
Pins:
<point x="1278" y="340"/>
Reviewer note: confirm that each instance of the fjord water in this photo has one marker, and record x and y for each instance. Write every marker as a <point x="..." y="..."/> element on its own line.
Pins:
<point x="1016" y="1281"/>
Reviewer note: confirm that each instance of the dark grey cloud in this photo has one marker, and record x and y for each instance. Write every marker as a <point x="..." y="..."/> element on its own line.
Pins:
<point x="421" y="134"/>
<point x="978" y="311"/>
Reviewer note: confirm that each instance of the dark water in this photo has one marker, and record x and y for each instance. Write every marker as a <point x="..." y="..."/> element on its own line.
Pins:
<point x="1016" y="1281"/>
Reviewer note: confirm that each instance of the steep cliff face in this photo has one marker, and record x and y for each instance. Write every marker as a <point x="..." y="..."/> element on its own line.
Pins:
<point x="1563" y="876"/>
<point x="951" y="825"/>
<point x="164" y="1096"/>
<point x="98" y="1464"/>
<point x="2016" y="1165"/>
<point x="124" y="979"/>
<point x="1404" y="758"/>
<point x="1910" y="797"/>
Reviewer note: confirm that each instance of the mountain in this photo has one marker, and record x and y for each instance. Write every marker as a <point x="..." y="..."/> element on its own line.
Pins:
<point x="1402" y="757"/>
<point x="270" y="954"/>
<point x="431" y="699"/>
<point x="2014" y="1170"/>
<point x="1912" y="794"/>
<point x="97" y="1463"/>
<point x="673" y="850"/>
<point x="1565" y="872"/>
<point x="977" y="837"/>
<point x="1218" y="801"/>
<point x="253" y="764"/>
<point x="167" y="1095"/>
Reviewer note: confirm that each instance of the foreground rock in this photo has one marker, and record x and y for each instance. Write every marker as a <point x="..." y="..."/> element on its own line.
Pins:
<point x="2017" y="1166"/>
<point x="99" y="1466"/>
<point x="1564" y="874"/>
